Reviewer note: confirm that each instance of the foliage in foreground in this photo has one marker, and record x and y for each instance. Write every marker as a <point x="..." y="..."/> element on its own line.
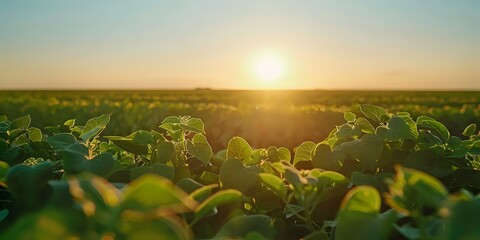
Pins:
<point x="68" y="182"/>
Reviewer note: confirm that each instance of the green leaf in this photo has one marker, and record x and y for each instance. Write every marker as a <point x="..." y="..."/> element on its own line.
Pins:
<point x="364" y="199"/>
<point x="166" y="152"/>
<point x="45" y="224"/>
<point x="304" y="152"/>
<point x="427" y="161"/>
<point x="168" y="227"/>
<point x="294" y="177"/>
<point x="171" y="119"/>
<point x="468" y="177"/>
<point x="94" y="126"/>
<point x="21" y="123"/>
<point x="278" y="154"/>
<point x="188" y="185"/>
<point x="412" y="190"/>
<point x="219" y="198"/>
<point x="275" y="183"/>
<point x="128" y="145"/>
<point x="75" y="161"/>
<point x="397" y="129"/>
<point x="470" y="130"/>
<point x="194" y="125"/>
<point x="437" y="128"/>
<point x="378" y="180"/>
<point x="241" y="226"/>
<point x="325" y="159"/>
<point x="160" y="169"/>
<point x="149" y="192"/>
<point x="61" y="141"/>
<point x="200" y="148"/>
<point x="463" y="221"/>
<point x="239" y="149"/>
<point x="26" y="183"/>
<point x="359" y="217"/>
<point x="34" y="134"/>
<point x="347" y="130"/>
<point x="375" y="113"/>
<point x="367" y="150"/>
<point x="257" y="156"/>
<point x="233" y="174"/>
<point x="202" y="193"/>
<point x="349" y="116"/>
<point x="364" y="125"/>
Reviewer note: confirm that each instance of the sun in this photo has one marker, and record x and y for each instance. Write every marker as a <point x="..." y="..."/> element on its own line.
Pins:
<point x="269" y="68"/>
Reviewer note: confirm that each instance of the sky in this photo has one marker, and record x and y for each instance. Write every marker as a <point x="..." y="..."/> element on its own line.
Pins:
<point x="64" y="44"/>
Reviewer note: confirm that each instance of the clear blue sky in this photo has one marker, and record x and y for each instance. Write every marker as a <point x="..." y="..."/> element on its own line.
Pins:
<point x="429" y="44"/>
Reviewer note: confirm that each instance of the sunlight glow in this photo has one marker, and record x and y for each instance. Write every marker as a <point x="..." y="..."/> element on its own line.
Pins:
<point x="269" y="68"/>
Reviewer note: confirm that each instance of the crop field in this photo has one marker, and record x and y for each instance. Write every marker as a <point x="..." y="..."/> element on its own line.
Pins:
<point x="218" y="164"/>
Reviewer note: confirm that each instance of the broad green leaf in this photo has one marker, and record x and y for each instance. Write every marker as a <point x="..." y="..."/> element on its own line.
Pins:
<point x="75" y="161"/>
<point x="378" y="180"/>
<point x="364" y="125"/>
<point x="468" y="177"/>
<point x="61" y="141"/>
<point x="367" y="150"/>
<point x="364" y="199"/>
<point x="233" y="174"/>
<point x="149" y="192"/>
<point x="208" y="178"/>
<point x="397" y="129"/>
<point x="70" y="123"/>
<point x="94" y="126"/>
<point x="160" y="169"/>
<point x="278" y="154"/>
<point x="166" y="152"/>
<point x="437" y="128"/>
<point x="375" y="113"/>
<point x="257" y="156"/>
<point x="359" y="217"/>
<point x="171" y="119"/>
<point x="275" y="183"/>
<point x="26" y="183"/>
<point x="239" y="149"/>
<point x="188" y="185"/>
<point x="34" y="134"/>
<point x="428" y="162"/>
<point x="241" y="226"/>
<point x="463" y="221"/>
<point x="349" y="116"/>
<point x="21" y="123"/>
<point x="194" y="125"/>
<point x="128" y="145"/>
<point x="304" y="152"/>
<point x="219" y="198"/>
<point x="470" y="130"/>
<point x="412" y="190"/>
<point x="200" y="148"/>
<point x="46" y="224"/>
<point x="294" y="177"/>
<point x="325" y="159"/>
<point x="132" y="226"/>
<point x="202" y="193"/>
<point x="327" y="178"/>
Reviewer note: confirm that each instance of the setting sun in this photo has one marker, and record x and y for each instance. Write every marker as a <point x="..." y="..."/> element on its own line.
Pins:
<point x="269" y="68"/>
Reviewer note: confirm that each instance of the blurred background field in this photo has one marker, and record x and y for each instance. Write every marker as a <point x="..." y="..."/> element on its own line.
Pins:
<point x="263" y="118"/>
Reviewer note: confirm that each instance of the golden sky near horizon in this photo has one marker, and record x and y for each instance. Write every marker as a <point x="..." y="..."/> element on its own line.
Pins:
<point x="240" y="44"/>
